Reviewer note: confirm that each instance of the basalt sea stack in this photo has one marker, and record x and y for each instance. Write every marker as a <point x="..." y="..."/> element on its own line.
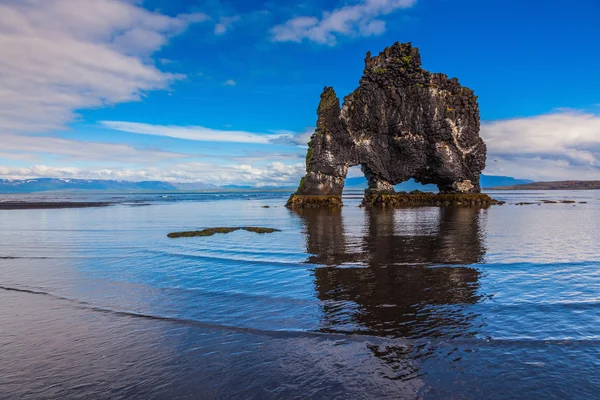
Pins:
<point x="402" y="122"/>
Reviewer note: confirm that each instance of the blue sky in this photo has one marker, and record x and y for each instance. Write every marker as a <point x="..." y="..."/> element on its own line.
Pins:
<point x="226" y="91"/>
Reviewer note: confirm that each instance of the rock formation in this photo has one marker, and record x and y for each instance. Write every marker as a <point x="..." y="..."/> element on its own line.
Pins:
<point x="402" y="122"/>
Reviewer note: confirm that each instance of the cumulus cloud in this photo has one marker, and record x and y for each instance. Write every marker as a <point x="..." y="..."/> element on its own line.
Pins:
<point x="360" y="19"/>
<point x="198" y="133"/>
<point x="560" y="145"/>
<point x="59" y="56"/>
<point x="273" y="174"/>
<point x="229" y="82"/>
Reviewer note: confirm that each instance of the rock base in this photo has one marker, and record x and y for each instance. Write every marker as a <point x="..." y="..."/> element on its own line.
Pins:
<point x="421" y="199"/>
<point x="307" y="201"/>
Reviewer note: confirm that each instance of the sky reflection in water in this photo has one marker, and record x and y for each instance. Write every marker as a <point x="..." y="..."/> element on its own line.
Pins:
<point x="419" y="303"/>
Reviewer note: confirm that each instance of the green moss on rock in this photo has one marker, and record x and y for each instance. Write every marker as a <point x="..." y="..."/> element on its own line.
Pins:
<point x="212" y="231"/>
<point x="422" y="199"/>
<point x="308" y="155"/>
<point x="260" y="230"/>
<point x="302" y="183"/>
<point x="303" y="201"/>
<point x="328" y="100"/>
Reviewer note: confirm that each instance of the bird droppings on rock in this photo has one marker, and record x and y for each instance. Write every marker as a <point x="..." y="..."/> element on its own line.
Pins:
<point x="402" y="122"/>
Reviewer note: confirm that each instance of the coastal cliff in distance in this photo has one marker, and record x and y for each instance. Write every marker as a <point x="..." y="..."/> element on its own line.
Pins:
<point x="555" y="185"/>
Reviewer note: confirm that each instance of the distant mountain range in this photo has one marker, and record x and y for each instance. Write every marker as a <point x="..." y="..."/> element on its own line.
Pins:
<point x="56" y="184"/>
<point x="487" y="181"/>
<point x="557" y="185"/>
<point x="52" y="184"/>
<point x="491" y="181"/>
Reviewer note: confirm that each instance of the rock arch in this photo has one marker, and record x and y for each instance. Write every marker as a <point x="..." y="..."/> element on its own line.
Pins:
<point x="402" y="122"/>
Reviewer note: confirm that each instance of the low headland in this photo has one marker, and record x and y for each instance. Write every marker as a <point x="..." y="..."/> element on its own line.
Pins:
<point x="555" y="185"/>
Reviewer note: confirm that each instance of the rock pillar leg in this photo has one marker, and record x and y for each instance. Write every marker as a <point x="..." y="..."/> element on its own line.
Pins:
<point x="376" y="183"/>
<point x="330" y="152"/>
<point x="318" y="190"/>
<point x="460" y="187"/>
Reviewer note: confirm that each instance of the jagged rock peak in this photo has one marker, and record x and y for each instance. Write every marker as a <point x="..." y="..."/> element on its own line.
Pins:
<point x="399" y="55"/>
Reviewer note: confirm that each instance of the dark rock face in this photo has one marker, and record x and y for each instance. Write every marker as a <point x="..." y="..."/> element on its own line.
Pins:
<point x="402" y="122"/>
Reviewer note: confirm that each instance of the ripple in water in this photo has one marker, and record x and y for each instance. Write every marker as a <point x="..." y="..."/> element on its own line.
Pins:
<point x="351" y="303"/>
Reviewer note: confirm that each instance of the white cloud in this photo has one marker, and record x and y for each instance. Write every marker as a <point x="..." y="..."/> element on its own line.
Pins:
<point x="541" y="169"/>
<point x="293" y="138"/>
<point x="229" y="82"/>
<point x="355" y="172"/>
<point x="197" y="133"/>
<point x="561" y="145"/>
<point x="59" y="56"/>
<point x="225" y="24"/>
<point x="353" y="20"/>
<point x="72" y="150"/>
<point x="274" y="174"/>
<point x="18" y="156"/>
<point x="557" y="146"/>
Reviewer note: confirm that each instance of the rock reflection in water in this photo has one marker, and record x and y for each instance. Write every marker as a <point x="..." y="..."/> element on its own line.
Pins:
<point x="405" y="275"/>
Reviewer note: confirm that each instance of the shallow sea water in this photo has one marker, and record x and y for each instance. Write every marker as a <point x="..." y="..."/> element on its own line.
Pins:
<point x="423" y="303"/>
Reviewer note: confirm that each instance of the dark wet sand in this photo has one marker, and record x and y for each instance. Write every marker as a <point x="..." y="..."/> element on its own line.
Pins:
<point x="20" y="205"/>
